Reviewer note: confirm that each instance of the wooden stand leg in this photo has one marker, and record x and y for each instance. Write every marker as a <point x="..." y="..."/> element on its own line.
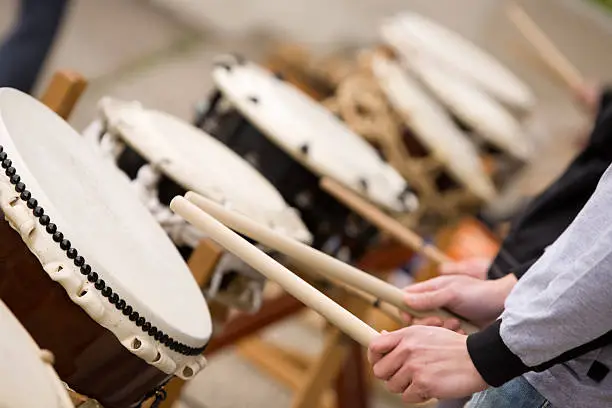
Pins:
<point x="337" y="348"/>
<point x="63" y="92"/>
<point x="322" y="373"/>
<point x="352" y="386"/>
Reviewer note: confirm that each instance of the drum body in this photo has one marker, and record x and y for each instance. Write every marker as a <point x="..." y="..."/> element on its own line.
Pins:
<point x="294" y="141"/>
<point x="88" y="357"/>
<point x="335" y="228"/>
<point x="86" y="269"/>
<point x="164" y="157"/>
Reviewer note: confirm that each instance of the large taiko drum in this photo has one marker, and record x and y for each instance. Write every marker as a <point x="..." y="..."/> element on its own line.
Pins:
<point x="27" y="377"/>
<point x="164" y="156"/>
<point x="85" y="267"/>
<point x="294" y="141"/>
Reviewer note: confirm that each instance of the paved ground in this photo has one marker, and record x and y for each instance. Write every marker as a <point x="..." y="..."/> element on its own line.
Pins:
<point x="132" y="50"/>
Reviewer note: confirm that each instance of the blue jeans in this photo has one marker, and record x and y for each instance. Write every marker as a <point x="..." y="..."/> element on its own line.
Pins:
<point x="517" y="393"/>
<point x="27" y="45"/>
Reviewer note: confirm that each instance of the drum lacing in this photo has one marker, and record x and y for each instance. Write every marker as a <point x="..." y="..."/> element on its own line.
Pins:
<point x="79" y="261"/>
<point x="181" y="232"/>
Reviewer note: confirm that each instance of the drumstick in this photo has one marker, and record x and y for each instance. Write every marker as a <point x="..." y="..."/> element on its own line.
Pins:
<point x="257" y="259"/>
<point x="317" y="261"/>
<point x="384" y="307"/>
<point x="549" y="53"/>
<point x="391" y="226"/>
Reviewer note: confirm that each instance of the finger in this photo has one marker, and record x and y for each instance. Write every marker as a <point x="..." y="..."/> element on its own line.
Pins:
<point x="389" y="364"/>
<point x="415" y="394"/>
<point x="427" y="286"/>
<point x="452" y="324"/>
<point x="385" y="342"/>
<point x="406" y="318"/>
<point x="429" y="300"/>
<point x="374" y="358"/>
<point x="400" y="381"/>
<point x="429" y="321"/>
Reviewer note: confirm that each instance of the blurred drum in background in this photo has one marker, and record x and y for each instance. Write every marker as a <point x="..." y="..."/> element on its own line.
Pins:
<point x="411" y="34"/>
<point x="497" y="134"/>
<point x="85" y="267"/>
<point x="27" y="377"/>
<point x="293" y="141"/>
<point x="164" y="156"/>
<point x="397" y="115"/>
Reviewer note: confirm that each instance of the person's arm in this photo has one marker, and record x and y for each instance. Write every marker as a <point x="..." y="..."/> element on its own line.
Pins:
<point x="561" y="307"/>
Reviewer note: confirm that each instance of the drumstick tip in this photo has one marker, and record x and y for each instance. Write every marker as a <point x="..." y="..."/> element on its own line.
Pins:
<point x="176" y="201"/>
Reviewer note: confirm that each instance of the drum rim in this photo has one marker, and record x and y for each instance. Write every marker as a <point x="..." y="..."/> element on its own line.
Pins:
<point x="22" y="340"/>
<point x="487" y="190"/>
<point x="123" y="127"/>
<point x="517" y="93"/>
<point x="271" y="134"/>
<point x="72" y="270"/>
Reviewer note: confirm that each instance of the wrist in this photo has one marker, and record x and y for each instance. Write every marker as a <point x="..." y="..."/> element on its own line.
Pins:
<point x="504" y="286"/>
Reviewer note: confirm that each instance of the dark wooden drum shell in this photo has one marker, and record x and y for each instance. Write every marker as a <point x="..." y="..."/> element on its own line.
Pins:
<point x="325" y="217"/>
<point x="88" y="357"/>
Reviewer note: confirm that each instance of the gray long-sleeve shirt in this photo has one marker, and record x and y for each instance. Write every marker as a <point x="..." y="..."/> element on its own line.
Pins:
<point x="563" y="302"/>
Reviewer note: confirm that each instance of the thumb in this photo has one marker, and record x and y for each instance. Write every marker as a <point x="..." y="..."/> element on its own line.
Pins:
<point x="385" y="342"/>
<point x="429" y="300"/>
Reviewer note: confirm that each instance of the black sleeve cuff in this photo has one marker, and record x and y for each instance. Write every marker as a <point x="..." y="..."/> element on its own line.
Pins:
<point x="492" y="358"/>
<point x="606" y="98"/>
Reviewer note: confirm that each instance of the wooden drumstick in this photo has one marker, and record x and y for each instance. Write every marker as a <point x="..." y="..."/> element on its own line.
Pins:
<point x="549" y="53"/>
<point x="386" y="223"/>
<point x="257" y="259"/>
<point x="384" y="307"/>
<point x="317" y="261"/>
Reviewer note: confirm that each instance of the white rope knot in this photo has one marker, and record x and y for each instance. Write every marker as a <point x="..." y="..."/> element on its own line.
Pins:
<point x="181" y="232"/>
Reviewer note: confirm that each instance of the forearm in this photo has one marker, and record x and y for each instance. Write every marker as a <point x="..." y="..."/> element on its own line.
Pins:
<point x="560" y="308"/>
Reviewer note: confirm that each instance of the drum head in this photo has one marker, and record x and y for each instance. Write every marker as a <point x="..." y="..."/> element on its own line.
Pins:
<point x="95" y="208"/>
<point x="198" y="162"/>
<point x="411" y="34"/>
<point x="433" y="126"/>
<point x="472" y="106"/>
<point x="26" y="380"/>
<point x="311" y="134"/>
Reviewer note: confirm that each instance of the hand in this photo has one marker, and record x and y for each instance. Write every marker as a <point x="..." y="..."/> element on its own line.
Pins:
<point x="475" y="267"/>
<point x="480" y="302"/>
<point x="425" y="362"/>
<point x="588" y="94"/>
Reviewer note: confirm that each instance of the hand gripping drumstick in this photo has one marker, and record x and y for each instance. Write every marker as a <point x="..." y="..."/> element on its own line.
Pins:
<point x="374" y="215"/>
<point x="317" y="261"/>
<point x="333" y="312"/>
<point x="551" y="55"/>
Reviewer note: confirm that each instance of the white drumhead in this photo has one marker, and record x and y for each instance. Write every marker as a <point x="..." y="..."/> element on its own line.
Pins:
<point x="411" y="34"/>
<point x="93" y="205"/>
<point x="292" y="120"/>
<point x="475" y="108"/>
<point x="26" y="381"/>
<point x="432" y="125"/>
<point x="199" y="162"/>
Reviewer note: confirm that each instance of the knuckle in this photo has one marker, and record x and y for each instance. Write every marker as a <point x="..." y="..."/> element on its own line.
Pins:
<point x="393" y="387"/>
<point x="379" y="372"/>
<point x="422" y="387"/>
